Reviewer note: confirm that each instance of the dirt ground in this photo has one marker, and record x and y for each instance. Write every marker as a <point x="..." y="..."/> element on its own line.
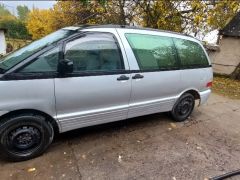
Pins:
<point x="149" y="147"/>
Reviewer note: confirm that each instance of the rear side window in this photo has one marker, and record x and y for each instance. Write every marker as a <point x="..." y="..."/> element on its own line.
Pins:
<point x="153" y="52"/>
<point x="190" y="53"/>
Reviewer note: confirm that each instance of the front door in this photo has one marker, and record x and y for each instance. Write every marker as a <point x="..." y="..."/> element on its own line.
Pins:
<point x="98" y="90"/>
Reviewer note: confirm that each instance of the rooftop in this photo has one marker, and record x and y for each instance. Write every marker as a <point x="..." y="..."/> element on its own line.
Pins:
<point x="232" y="28"/>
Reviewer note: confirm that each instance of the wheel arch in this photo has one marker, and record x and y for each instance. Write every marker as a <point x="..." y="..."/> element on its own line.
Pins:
<point x="35" y="112"/>
<point x="194" y="92"/>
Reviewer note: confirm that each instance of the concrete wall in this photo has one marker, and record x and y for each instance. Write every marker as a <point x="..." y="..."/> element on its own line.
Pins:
<point x="227" y="59"/>
<point x="2" y="43"/>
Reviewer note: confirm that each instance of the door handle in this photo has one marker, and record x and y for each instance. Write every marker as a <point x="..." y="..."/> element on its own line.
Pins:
<point x="138" y="76"/>
<point x="123" y="78"/>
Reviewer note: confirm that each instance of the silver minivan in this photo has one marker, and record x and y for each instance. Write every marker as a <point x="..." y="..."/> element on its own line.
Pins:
<point x="84" y="76"/>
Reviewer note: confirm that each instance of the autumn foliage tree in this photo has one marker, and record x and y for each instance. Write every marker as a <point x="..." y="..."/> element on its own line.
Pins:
<point x="64" y="13"/>
<point x="39" y="23"/>
<point x="187" y="16"/>
<point x="193" y="16"/>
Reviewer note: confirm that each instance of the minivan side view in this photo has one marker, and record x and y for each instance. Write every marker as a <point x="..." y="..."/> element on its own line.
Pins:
<point x="83" y="76"/>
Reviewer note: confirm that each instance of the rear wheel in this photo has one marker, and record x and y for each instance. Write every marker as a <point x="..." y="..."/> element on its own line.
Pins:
<point x="25" y="136"/>
<point x="183" y="107"/>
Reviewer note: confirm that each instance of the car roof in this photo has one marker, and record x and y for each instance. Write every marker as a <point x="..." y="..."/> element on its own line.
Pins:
<point x="123" y="27"/>
<point x="82" y="27"/>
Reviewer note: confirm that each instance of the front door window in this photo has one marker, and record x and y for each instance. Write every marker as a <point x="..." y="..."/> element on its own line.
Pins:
<point x="94" y="53"/>
<point x="47" y="62"/>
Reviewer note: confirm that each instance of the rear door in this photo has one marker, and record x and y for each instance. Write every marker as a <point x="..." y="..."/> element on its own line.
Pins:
<point x="155" y="71"/>
<point x="98" y="90"/>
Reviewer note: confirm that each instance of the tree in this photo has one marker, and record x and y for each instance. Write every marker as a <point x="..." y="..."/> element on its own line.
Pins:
<point x="5" y="13"/>
<point x="16" y="29"/>
<point x="39" y="23"/>
<point x="122" y="12"/>
<point x="222" y="12"/>
<point x="191" y="17"/>
<point x="204" y="16"/>
<point x="22" y="12"/>
<point x="68" y="13"/>
<point x="160" y="14"/>
<point x="187" y="16"/>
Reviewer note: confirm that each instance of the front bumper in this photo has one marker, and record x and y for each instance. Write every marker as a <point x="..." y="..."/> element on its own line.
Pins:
<point x="204" y="95"/>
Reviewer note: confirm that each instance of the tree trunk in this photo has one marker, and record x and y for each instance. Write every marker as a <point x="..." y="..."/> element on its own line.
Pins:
<point x="122" y="12"/>
<point x="236" y="73"/>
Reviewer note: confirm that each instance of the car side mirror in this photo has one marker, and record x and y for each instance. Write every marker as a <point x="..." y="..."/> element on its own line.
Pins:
<point x="65" y="66"/>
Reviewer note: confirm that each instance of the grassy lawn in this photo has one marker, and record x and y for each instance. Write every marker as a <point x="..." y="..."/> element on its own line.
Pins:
<point x="226" y="87"/>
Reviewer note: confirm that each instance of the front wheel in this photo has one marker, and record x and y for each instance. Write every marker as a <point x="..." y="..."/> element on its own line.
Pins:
<point x="25" y="136"/>
<point x="183" y="107"/>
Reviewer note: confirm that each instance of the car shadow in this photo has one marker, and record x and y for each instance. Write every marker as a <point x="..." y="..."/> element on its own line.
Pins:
<point x="132" y="123"/>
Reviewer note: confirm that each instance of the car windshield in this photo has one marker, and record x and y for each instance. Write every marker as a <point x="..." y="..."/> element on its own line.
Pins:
<point x="16" y="57"/>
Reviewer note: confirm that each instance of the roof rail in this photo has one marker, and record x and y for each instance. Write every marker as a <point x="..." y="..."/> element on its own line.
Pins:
<point x="86" y="26"/>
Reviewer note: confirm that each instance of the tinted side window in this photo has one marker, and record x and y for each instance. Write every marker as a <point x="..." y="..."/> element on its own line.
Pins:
<point x="191" y="53"/>
<point x="46" y="62"/>
<point x="153" y="52"/>
<point x="94" y="52"/>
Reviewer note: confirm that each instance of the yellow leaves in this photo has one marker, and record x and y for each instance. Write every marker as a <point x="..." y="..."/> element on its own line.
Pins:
<point x="161" y="15"/>
<point x="205" y="17"/>
<point x="210" y="20"/>
<point x="164" y="14"/>
<point x="222" y="12"/>
<point x="38" y="23"/>
<point x="235" y="8"/>
<point x="227" y="87"/>
<point x="100" y="9"/>
<point x="198" y="19"/>
<point x="8" y="17"/>
<point x="195" y="4"/>
<point x="64" y="13"/>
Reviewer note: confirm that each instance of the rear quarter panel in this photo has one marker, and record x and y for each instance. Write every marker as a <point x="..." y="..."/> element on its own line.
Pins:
<point x="195" y="79"/>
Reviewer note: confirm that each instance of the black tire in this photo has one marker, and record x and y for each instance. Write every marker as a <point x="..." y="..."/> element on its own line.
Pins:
<point x="25" y="136"/>
<point x="183" y="107"/>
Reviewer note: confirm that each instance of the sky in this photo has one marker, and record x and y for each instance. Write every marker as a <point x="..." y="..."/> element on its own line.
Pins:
<point x="12" y="5"/>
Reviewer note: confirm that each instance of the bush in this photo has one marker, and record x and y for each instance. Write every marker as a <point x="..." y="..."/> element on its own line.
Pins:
<point x="15" y="29"/>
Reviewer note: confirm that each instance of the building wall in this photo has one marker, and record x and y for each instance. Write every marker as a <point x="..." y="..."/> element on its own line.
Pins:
<point x="228" y="58"/>
<point x="2" y="43"/>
